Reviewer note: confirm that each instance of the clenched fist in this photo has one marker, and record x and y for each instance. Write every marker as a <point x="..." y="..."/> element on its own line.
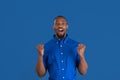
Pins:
<point x="81" y="49"/>
<point x="40" y="49"/>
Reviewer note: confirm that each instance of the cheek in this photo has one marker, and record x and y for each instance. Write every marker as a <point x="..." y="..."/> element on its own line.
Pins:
<point x="54" y="28"/>
<point x="65" y="28"/>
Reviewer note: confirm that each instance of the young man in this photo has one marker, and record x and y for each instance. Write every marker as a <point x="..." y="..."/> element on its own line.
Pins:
<point x="61" y="55"/>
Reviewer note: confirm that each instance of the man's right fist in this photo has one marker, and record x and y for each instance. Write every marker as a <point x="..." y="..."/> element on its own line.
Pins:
<point x="40" y="49"/>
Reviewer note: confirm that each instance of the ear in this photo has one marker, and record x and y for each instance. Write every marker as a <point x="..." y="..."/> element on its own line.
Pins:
<point x="53" y="27"/>
<point x="67" y="26"/>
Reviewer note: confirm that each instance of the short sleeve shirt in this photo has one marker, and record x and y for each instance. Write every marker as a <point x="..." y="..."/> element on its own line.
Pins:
<point x="61" y="58"/>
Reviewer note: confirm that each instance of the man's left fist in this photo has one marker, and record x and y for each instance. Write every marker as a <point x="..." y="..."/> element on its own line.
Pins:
<point x="81" y="49"/>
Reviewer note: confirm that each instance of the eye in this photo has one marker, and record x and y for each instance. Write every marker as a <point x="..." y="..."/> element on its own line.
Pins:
<point x="64" y="23"/>
<point x="60" y="23"/>
<point x="57" y="23"/>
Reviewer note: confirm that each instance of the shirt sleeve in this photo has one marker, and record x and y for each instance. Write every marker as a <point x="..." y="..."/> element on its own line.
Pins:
<point x="45" y="57"/>
<point x="78" y="60"/>
<point x="77" y="56"/>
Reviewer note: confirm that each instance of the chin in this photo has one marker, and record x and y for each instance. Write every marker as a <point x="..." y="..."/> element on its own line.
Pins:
<point x="61" y="35"/>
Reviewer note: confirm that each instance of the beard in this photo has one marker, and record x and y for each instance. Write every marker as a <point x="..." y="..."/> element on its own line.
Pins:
<point x="61" y="36"/>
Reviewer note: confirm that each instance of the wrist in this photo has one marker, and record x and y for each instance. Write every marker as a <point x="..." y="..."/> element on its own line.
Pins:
<point x="40" y="55"/>
<point x="81" y="56"/>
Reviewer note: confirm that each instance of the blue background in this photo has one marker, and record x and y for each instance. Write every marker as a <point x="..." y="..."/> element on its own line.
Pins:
<point x="26" y="23"/>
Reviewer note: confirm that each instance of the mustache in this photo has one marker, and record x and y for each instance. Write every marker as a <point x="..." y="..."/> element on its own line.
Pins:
<point x="61" y="28"/>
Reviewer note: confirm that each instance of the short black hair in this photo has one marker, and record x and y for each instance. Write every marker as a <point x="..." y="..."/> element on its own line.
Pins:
<point x="59" y="17"/>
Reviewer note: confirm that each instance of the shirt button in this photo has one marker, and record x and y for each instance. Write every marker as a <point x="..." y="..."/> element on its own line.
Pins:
<point x="63" y="77"/>
<point x="62" y="68"/>
<point x="57" y="42"/>
<point x="62" y="61"/>
<point x="61" y="53"/>
<point x="60" y="45"/>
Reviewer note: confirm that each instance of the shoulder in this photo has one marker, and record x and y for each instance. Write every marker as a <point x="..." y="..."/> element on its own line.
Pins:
<point x="72" y="42"/>
<point x="48" y="44"/>
<point x="73" y="45"/>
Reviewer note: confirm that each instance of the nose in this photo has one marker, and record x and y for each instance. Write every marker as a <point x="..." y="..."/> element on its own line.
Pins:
<point x="60" y="26"/>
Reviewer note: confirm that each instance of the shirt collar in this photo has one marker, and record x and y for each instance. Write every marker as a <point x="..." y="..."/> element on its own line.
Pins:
<point x="64" y="40"/>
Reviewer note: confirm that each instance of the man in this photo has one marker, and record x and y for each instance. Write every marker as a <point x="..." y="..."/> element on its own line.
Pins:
<point x="61" y="55"/>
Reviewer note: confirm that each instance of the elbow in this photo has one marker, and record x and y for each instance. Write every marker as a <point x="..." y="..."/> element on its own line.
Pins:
<point x="40" y="73"/>
<point x="83" y="71"/>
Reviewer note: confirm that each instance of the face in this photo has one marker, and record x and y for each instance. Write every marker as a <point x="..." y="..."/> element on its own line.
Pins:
<point x="60" y="27"/>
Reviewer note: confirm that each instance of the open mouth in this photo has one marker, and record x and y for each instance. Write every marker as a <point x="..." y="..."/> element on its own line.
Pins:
<point x="60" y="30"/>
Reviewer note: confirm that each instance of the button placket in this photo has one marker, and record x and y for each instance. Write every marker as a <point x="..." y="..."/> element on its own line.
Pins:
<point x="61" y="59"/>
<point x="62" y="65"/>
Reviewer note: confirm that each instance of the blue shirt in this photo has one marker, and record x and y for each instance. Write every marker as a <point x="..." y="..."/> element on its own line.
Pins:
<point x="61" y="58"/>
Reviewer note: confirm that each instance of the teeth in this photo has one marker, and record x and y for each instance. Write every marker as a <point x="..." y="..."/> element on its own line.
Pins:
<point x="60" y="29"/>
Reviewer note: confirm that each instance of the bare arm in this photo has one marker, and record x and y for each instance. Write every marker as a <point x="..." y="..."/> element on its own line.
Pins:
<point x="40" y="69"/>
<point x="83" y="66"/>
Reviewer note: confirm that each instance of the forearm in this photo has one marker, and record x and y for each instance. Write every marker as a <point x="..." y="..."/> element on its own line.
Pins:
<point x="83" y="66"/>
<point x="40" y="67"/>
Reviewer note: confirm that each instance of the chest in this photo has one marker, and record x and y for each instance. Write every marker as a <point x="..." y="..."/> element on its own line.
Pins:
<point x="60" y="53"/>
